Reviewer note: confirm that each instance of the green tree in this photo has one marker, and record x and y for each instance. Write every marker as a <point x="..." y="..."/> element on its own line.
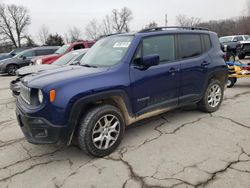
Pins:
<point x="54" y="40"/>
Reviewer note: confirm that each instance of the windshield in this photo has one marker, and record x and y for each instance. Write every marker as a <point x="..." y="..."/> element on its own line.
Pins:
<point x="62" y="49"/>
<point x="25" y="53"/>
<point x="66" y="58"/>
<point x="108" y="51"/>
<point x="226" y="39"/>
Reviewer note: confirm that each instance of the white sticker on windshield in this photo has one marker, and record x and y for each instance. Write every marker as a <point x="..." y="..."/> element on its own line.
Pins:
<point x="121" y="44"/>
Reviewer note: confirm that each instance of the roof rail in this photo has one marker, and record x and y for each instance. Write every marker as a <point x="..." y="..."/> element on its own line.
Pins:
<point x="111" y="34"/>
<point x="172" y="27"/>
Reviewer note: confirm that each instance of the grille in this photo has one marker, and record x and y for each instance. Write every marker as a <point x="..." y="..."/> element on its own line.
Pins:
<point x="25" y="93"/>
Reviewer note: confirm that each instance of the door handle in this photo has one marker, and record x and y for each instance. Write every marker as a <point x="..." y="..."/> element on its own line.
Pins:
<point x="205" y="63"/>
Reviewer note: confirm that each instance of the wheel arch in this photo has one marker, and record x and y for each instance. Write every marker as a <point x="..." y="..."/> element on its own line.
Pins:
<point x="116" y="98"/>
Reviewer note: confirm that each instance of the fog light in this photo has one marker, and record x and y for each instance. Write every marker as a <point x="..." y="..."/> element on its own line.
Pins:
<point x="40" y="133"/>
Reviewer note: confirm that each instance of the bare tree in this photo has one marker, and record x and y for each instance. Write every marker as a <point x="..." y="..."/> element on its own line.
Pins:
<point x="151" y="25"/>
<point x="183" y="20"/>
<point x="74" y="34"/>
<point x="248" y="7"/>
<point x="121" y="19"/>
<point x="14" y="21"/>
<point x="43" y="34"/>
<point x="107" y="26"/>
<point x="93" y="30"/>
<point x="116" y="22"/>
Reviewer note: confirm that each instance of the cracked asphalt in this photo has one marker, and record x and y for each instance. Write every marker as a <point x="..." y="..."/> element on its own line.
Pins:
<point x="181" y="148"/>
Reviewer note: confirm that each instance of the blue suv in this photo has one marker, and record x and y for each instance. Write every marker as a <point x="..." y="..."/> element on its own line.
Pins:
<point x="122" y="79"/>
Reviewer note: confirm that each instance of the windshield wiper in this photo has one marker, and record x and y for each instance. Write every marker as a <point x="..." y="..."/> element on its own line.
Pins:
<point x="87" y="65"/>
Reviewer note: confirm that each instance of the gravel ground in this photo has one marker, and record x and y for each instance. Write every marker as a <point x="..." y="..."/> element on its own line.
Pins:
<point x="182" y="148"/>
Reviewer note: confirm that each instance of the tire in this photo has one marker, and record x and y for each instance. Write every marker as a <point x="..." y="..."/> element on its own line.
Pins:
<point x="94" y="120"/>
<point x="11" y="70"/>
<point x="231" y="82"/>
<point x="212" y="97"/>
<point x="241" y="56"/>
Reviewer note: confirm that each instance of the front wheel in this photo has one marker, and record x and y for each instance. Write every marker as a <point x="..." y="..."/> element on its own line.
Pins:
<point x="212" y="97"/>
<point x="101" y="130"/>
<point x="11" y="70"/>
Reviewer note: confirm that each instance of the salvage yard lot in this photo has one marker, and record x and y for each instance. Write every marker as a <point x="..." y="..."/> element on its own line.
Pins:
<point x="182" y="148"/>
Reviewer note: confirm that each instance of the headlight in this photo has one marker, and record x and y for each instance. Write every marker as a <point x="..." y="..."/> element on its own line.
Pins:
<point x="39" y="62"/>
<point x="40" y="96"/>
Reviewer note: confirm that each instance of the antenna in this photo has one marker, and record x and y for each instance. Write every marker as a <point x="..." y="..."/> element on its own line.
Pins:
<point x="166" y="20"/>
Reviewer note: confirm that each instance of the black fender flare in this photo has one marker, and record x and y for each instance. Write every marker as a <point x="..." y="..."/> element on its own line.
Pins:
<point x="81" y="104"/>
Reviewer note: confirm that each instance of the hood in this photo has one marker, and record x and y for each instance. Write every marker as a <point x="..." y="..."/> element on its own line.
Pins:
<point x="245" y="42"/>
<point x="5" y="56"/>
<point x="9" y="60"/>
<point x="34" y="68"/>
<point x="59" y="76"/>
<point x="45" y="57"/>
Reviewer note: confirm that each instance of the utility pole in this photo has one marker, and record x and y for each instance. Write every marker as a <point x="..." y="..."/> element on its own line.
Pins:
<point x="166" y="20"/>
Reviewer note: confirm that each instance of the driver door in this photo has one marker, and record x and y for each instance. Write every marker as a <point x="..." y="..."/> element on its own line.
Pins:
<point x="26" y="57"/>
<point x="157" y="86"/>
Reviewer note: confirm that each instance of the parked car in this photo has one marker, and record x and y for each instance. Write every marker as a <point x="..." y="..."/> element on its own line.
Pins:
<point x="233" y="42"/>
<point x="122" y="79"/>
<point x="12" y="53"/>
<point x="23" y="59"/>
<point x="244" y="49"/>
<point x="71" y="58"/>
<point x="61" y="51"/>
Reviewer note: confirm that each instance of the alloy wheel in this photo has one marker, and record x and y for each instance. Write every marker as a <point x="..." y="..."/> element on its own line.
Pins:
<point x="106" y="131"/>
<point x="214" y="95"/>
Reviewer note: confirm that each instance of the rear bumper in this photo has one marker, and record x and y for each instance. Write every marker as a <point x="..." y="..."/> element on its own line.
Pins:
<point x="39" y="130"/>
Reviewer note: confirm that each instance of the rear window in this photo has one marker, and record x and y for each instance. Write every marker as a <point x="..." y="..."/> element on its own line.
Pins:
<point x="190" y="45"/>
<point x="207" y="42"/>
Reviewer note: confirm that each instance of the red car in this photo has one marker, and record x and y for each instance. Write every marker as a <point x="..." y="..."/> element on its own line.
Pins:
<point x="48" y="59"/>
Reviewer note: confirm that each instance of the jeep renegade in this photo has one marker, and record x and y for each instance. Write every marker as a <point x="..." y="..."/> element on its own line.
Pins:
<point x="122" y="79"/>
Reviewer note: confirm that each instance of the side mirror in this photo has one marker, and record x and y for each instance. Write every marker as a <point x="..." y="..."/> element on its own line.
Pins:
<point x="235" y="40"/>
<point x="149" y="61"/>
<point x="23" y="57"/>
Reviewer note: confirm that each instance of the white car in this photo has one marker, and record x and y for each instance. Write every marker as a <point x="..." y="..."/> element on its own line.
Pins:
<point x="234" y="38"/>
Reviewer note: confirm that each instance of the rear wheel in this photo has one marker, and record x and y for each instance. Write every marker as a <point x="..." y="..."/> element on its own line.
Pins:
<point x="212" y="97"/>
<point x="231" y="82"/>
<point x="11" y="70"/>
<point x="101" y="130"/>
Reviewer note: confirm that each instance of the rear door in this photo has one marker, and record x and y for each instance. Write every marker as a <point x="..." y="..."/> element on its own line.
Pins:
<point x="194" y="59"/>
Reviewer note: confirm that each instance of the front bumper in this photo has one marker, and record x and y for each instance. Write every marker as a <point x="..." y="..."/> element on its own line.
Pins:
<point x="15" y="87"/>
<point x="39" y="130"/>
<point x="2" y="69"/>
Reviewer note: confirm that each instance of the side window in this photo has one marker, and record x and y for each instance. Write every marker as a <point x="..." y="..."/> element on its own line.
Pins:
<point x="164" y="46"/>
<point x="78" y="46"/>
<point x="44" y="52"/>
<point x="190" y="45"/>
<point x="207" y="42"/>
<point x="30" y="53"/>
<point x="239" y="38"/>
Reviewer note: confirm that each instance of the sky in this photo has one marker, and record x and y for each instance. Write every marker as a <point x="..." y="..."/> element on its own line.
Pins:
<point x="60" y="15"/>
